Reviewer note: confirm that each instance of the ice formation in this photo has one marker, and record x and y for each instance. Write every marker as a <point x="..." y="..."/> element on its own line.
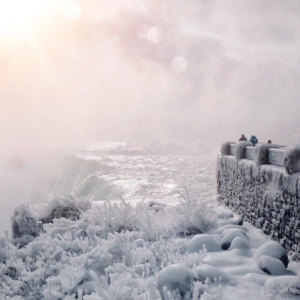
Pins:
<point x="263" y="194"/>
<point x="122" y="251"/>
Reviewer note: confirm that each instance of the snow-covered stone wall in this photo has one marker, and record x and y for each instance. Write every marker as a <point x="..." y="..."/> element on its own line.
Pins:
<point x="262" y="184"/>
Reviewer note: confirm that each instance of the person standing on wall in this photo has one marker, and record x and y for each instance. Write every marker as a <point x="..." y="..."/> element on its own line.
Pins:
<point x="253" y="140"/>
<point x="243" y="138"/>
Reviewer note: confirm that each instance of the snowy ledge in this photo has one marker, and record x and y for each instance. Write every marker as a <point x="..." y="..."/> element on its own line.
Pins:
<point x="262" y="184"/>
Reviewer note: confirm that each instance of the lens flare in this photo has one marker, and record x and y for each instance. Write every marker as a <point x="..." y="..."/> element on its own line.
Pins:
<point x="179" y="64"/>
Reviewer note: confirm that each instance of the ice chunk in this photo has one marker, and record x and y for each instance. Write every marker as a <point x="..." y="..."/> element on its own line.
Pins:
<point x="175" y="277"/>
<point x="271" y="265"/>
<point x="199" y="241"/>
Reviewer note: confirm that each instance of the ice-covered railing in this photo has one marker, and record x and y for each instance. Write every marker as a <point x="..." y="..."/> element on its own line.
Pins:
<point x="276" y="156"/>
<point x="282" y="156"/>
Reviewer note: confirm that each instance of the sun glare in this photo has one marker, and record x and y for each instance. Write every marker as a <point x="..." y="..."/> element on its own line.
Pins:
<point x="15" y="15"/>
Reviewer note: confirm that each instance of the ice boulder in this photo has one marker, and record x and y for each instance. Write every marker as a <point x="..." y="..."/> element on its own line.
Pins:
<point x="175" y="277"/>
<point x="228" y="238"/>
<point x="198" y="242"/>
<point x="212" y="273"/>
<point x="271" y="265"/>
<point x="272" y="249"/>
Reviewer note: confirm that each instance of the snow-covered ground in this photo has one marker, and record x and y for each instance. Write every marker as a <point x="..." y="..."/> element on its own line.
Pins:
<point x="182" y="245"/>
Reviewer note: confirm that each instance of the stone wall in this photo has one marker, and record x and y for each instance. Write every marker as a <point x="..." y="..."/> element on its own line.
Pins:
<point x="265" y="195"/>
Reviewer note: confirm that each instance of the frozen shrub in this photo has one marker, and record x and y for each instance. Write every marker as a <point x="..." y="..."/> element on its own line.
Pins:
<point x="67" y="207"/>
<point x="25" y="222"/>
<point x="194" y="216"/>
<point x="122" y="216"/>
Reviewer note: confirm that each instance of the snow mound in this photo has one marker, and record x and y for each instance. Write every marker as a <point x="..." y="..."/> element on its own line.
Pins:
<point x="272" y="249"/>
<point x="228" y="238"/>
<point x="239" y="243"/>
<point x="271" y="265"/>
<point x="200" y="241"/>
<point x="212" y="273"/>
<point x="175" y="277"/>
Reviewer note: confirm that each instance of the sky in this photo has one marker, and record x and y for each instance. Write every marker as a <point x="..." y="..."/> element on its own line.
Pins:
<point x="123" y="70"/>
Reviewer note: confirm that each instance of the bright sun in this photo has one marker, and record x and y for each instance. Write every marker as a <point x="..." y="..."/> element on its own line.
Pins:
<point x="15" y="15"/>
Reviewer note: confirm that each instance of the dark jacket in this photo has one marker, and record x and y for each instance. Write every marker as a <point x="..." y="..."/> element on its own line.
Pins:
<point x="242" y="138"/>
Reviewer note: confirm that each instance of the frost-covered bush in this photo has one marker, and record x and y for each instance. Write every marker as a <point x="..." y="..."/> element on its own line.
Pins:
<point x="25" y="222"/>
<point x="66" y="207"/>
<point x="122" y="216"/>
<point x="194" y="216"/>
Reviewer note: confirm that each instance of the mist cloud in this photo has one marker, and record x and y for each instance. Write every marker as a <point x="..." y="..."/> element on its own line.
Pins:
<point x="110" y="75"/>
